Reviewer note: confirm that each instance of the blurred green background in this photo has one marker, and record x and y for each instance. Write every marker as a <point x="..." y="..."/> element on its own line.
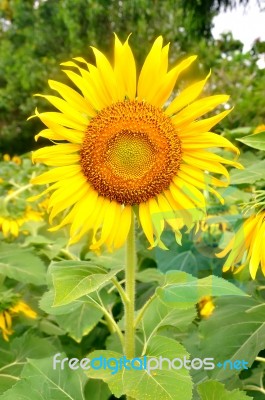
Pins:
<point x="36" y="36"/>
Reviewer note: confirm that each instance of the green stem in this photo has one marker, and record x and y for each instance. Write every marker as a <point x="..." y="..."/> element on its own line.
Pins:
<point x="130" y="292"/>
<point x="14" y="194"/>
<point x="120" y="289"/>
<point x="110" y="321"/>
<point x="129" y="305"/>
<point x="142" y="311"/>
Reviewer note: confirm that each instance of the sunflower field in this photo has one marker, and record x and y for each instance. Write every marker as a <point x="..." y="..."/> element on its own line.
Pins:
<point x="132" y="204"/>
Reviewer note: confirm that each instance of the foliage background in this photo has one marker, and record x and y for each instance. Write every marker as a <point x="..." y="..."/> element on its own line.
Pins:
<point x="35" y="37"/>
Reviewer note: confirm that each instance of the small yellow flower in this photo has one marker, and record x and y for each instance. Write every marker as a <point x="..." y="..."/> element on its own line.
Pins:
<point x="6" y="324"/>
<point x="260" y="128"/>
<point x="7" y="315"/>
<point x="6" y="157"/>
<point x="21" y="306"/>
<point x="10" y="226"/>
<point x="16" y="159"/>
<point x="1" y="180"/>
<point x="206" y="306"/>
<point x="247" y="246"/>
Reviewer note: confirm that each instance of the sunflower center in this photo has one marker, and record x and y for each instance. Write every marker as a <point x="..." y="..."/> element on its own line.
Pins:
<point x="131" y="152"/>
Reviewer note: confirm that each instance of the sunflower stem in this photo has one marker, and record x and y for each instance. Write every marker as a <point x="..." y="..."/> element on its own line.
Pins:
<point x="129" y="305"/>
<point x="17" y="192"/>
<point x="130" y="292"/>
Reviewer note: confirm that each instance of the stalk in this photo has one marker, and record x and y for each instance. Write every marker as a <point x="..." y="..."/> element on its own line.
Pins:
<point x="129" y="345"/>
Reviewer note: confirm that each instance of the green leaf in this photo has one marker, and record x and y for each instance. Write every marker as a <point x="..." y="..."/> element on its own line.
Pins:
<point x="240" y="131"/>
<point x="77" y="318"/>
<point x="181" y="289"/>
<point x="249" y="175"/>
<point x="165" y="383"/>
<point x="150" y="275"/>
<point x="257" y="141"/>
<point x="81" y="321"/>
<point x="74" y="279"/>
<point x="105" y="259"/>
<point x="185" y="261"/>
<point x="36" y="240"/>
<point x="96" y="389"/>
<point x="239" y="329"/>
<point x="47" y="301"/>
<point x="159" y="314"/>
<point x="41" y="382"/>
<point x="213" y="390"/>
<point x="21" y="264"/>
<point x="13" y="356"/>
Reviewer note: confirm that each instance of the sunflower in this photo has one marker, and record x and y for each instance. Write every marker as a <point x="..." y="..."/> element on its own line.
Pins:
<point x="259" y="128"/>
<point x="206" y="306"/>
<point x="10" y="225"/>
<point x="129" y="148"/>
<point x="247" y="246"/>
<point x="7" y="315"/>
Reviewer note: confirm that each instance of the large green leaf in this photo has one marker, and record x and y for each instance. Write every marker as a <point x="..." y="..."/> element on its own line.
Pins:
<point x="181" y="289"/>
<point x="257" y="141"/>
<point x="159" y="314"/>
<point x="105" y="259"/>
<point x="79" y="317"/>
<point x="21" y="264"/>
<point x="238" y="326"/>
<point x="74" y="279"/>
<point x="184" y="261"/>
<point x="249" y="175"/>
<point x="213" y="390"/>
<point x="96" y="389"/>
<point x="81" y="321"/>
<point x="40" y="381"/>
<point x="166" y="384"/>
<point x="13" y="357"/>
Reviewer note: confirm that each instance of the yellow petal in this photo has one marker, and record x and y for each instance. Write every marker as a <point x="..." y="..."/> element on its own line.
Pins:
<point x="206" y="165"/>
<point x="167" y="83"/>
<point x="206" y="140"/>
<point x="187" y="96"/>
<point x="107" y="75"/>
<point x="56" y="174"/>
<point x="88" y="223"/>
<point x="125" y="69"/>
<point x="197" y="109"/>
<point x="204" y="125"/>
<point x="83" y="210"/>
<point x="73" y="98"/>
<point x="146" y="222"/>
<point x="157" y="218"/>
<point x="199" y="181"/>
<point x="190" y="191"/>
<point x="150" y="71"/>
<point x="59" y="150"/>
<point x="66" y="109"/>
<point x="124" y="227"/>
<point x="61" y="119"/>
<point x="115" y="232"/>
<point x="108" y="222"/>
<point x="209" y="156"/>
<point x="85" y="84"/>
<point x="256" y="249"/>
<point x="67" y="195"/>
